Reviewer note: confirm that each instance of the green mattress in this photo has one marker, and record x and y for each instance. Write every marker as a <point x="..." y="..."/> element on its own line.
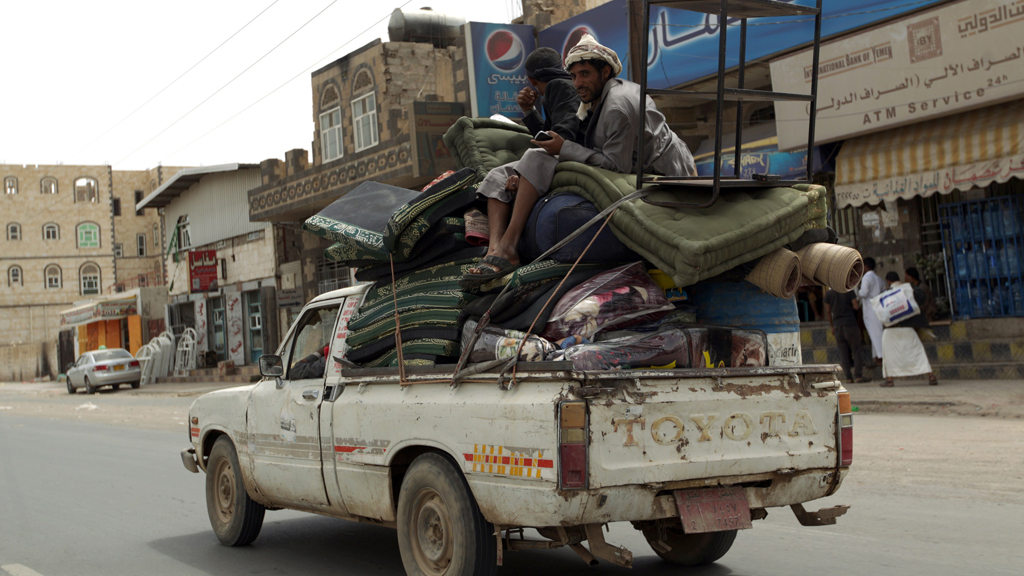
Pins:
<point x="688" y="244"/>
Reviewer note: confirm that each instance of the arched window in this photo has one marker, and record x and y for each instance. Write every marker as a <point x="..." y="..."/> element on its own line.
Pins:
<point x="332" y="146"/>
<point x="10" y="185"/>
<point x="86" y="190"/>
<point x="14" y="277"/>
<point x="48" y="185"/>
<point x="14" y="231"/>
<point x="88" y="235"/>
<point x="364" y="121"/>
<point x="52" y="275"/>
<point x="51" y="231"/>
<point x="89" y="279"/>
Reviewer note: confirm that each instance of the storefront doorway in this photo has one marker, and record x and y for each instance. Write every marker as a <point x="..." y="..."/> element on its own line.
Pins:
<point x="218" y="327"/>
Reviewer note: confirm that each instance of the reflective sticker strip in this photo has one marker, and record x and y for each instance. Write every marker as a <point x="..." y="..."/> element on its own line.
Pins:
<point x="195" y="432"/>
<point x="347" y="449"/>
<point x="493" y="460"/>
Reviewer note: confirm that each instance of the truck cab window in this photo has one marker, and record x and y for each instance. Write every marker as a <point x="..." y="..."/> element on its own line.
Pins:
<point x="314" y="334"/>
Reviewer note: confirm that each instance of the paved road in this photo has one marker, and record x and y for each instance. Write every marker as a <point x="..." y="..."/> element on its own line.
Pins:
<point x="931" y="495"/>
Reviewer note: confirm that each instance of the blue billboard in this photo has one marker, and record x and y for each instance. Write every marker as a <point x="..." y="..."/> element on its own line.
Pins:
<point x="683" y="45"/>
<point x="607" y="23"/>
<point x="496" y="55"/>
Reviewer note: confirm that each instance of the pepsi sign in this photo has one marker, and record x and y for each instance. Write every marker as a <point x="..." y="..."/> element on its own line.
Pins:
<point x="606" y="23"/>
<point x="496" y="56"/>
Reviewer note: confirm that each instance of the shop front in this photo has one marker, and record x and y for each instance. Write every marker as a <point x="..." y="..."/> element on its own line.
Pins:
<point x="113" y="323"/>
<point x="929" y="110"/>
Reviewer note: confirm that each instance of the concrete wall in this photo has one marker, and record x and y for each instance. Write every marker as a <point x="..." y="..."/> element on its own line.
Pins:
<point x="245" y="260"/>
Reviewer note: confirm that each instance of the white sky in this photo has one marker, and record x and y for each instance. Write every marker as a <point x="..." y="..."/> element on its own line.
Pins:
<point x="72" y="70"/>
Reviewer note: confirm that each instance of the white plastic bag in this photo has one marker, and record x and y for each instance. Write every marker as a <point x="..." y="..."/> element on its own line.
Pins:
<point x="895" y="305"/>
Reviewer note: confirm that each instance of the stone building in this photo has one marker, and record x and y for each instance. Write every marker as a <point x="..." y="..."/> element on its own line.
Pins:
<point x="379" y="114"/>
<point x="63" y="243"/>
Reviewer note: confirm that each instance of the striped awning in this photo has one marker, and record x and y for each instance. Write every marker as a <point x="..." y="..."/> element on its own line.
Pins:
<point x="958" y="152"/>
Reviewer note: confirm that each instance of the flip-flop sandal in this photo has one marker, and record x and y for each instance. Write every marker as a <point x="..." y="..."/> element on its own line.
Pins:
<point x="471" y="281"/>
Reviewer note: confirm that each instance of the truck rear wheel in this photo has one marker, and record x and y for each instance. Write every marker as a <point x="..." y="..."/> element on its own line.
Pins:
<point x="236" y="518"/>
<point x="440" y="528"/>
<point x="690" y="549"/>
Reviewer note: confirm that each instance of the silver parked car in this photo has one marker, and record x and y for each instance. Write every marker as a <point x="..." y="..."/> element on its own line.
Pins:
<point x="111" y="367"/>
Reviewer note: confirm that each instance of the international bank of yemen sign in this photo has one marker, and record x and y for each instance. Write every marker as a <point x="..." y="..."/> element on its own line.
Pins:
<point x="952" y="58"/>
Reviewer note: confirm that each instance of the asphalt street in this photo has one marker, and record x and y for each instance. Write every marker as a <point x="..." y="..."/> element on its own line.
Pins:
<point x="935" y="495"/>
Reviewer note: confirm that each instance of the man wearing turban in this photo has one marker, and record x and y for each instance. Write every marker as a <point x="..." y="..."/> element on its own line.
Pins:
<point x="609" y="114"/>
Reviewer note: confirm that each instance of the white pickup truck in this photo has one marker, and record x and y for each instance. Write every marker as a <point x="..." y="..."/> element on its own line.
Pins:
<point x="687" y="456"/>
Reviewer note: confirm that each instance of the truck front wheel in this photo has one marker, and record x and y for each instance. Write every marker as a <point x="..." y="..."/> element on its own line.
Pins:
<point x="440" y="527"/>
<point x="236" y="518"/>
<point x="690" y="549"/>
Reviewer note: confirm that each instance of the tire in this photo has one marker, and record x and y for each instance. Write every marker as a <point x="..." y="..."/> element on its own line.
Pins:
<point x="136" y="384"/>
<point x="89" y="388"/>
<point x="115" y="386"/>
<point x="71" y="387"/>
<point x="236" y="518"/>
<point x="440" y="527"/>
<point x="692" y="549"/>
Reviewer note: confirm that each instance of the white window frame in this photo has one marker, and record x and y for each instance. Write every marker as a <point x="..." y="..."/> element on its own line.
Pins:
<point x="14" y="231"/>
<point x="82" y="228"/>
<point x="10" y="185"/>
<point x="140" y="240"/>
<point x="330" y="126"/>
<point x="95" y="188"/>
<point x="15" y="276"/>
<point x="51" y="227"/>
<point x="118" y="251"/>
<point x="92" y="279"/>
<point x="48" y="182"/>
<point x="59" y="277"/>
<point x="365" y="120"/>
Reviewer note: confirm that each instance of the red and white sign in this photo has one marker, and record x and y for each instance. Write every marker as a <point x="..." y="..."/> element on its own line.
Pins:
<point x="202" y="270"/>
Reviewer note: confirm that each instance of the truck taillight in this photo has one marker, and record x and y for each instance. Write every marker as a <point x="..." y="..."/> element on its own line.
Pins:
<point x="845" y="429"/>
<point x="572" y="445"/>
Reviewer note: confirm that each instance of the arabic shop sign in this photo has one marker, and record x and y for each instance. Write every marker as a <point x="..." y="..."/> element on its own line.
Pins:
<point x="952" y="58"/>
<point x="789" y="165"/>
<point x="683" y="45"/>
<point x="496" y="57"/>
<point x="202" y="270"/>
<point x="110" y="310"/>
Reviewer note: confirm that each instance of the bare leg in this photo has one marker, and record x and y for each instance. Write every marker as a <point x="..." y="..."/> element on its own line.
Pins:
<point x="507" y="223"/>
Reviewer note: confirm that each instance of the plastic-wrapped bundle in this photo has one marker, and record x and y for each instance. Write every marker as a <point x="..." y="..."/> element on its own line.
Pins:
<point x="666" y="349"/>
<point x="722" y="346"/>
<point x="681" y="318"/>
<point x="619" y="297"/>
<point x="497" y="343"/>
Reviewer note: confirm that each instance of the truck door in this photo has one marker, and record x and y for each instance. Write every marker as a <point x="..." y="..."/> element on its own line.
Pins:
<point x="283" y="422"/>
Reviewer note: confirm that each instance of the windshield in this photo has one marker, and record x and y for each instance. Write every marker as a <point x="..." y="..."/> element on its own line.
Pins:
<point x="115" y="354"/>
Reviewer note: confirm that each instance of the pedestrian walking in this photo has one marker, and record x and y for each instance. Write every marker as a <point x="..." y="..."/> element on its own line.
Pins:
<point x="904" y="354"/>
<point x="870" y="286"/>
<point x="841" y="311"/>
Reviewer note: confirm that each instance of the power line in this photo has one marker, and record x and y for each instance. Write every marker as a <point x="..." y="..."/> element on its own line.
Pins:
<point x="151" y="98"/>
<point x="286" y="82"/>
<point x="217" y="91"/>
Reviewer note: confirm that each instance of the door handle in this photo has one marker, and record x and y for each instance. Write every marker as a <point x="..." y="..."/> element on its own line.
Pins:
<point x="310" y="394"/>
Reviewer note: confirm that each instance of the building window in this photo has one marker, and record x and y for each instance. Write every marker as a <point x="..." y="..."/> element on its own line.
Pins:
<point x="184" y="233"/>
<point x="86" y="190"/>
<point x="48" y="185"/>
<point x="89" y="279"/>
<point x="330" y="135"/>
<point x="10" y="185"/>
<point x="52" y="274"/>
<point x="88" y="236"/>
<point x="51" y="232"/>
<point x="118" y="251"/>
<point x="138" y="198"/>
<point x="141" y="238"/>
<point x="331" y="275"/>
<point x="156" y="235"/>
<point x="14" y="231"/>
<point x="117" y="206"/>
<point x="364" y="121"/>
<point x="14" y="277"/>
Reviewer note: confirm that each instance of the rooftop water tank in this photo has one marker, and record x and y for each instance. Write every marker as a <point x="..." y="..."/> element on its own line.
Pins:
<point x="424" y="25"/>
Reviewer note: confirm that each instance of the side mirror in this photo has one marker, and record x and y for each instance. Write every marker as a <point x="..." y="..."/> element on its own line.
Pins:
<point x="271" y="366"/>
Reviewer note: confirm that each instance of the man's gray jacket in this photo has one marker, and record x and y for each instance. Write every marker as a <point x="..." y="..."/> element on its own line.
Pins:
<point x="610" y="140"/>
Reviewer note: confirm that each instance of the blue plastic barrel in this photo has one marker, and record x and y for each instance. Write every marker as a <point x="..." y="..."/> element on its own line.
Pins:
<point x="743" y="305"/>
